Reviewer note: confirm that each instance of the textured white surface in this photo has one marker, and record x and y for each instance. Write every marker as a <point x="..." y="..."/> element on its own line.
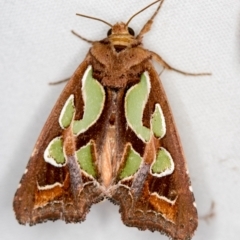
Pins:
<point x="36" y="47"/>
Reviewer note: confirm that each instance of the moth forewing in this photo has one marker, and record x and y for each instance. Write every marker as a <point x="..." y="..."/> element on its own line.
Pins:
<point x="111" y="135"/>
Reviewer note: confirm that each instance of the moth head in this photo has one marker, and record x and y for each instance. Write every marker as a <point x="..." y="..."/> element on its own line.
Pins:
<point x="120" y="28"/>
<point x="121" y="36"/>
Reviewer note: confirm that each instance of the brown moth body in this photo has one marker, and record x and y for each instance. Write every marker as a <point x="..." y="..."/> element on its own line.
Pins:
<point x="160" y="202"/>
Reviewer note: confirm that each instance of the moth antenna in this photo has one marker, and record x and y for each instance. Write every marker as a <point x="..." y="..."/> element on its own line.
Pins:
<point x="83" y="38"/>
<point x="153" y="16"/>
<point x="97" y="19"/>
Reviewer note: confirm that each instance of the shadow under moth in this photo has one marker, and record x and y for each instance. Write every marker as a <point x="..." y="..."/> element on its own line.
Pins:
<point x="111" y="135"/>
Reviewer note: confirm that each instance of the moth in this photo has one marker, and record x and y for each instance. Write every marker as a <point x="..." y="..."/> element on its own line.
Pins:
<point x="111" y="135"/>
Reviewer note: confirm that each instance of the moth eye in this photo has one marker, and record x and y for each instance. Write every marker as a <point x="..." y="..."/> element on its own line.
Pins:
<point x="130" y="30"/>
<point x="109" y="32"/>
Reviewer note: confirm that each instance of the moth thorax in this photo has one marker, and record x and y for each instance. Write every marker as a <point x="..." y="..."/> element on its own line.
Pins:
<point x="120" y="37"/>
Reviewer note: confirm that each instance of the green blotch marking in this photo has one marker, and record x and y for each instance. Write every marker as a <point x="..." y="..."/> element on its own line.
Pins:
<point x="84" y="157"/>
<point x="67" y="113"/>
<point x="132" y="164"/>
<point x="158" y="122"/>
<point x="163" y="164"/>
<point x="54" y="152"/>
<point x="135" y="102"/>
<point x="94" y="98"/>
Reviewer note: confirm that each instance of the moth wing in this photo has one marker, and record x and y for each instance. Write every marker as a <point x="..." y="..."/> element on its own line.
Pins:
<point x="46" y="191"/>
<point x="161" y="201"/>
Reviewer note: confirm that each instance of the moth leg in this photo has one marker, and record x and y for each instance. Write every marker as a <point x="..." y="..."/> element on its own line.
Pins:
<point x="67" y="79"/>
<point x="158" y="59"/>
<point x="210" y="214"/>
<point x="146" y="28"/>
<point x="59" y="82"/>
<point x="83" y="38"/>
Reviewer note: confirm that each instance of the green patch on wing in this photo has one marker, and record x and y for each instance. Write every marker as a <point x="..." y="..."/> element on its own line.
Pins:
<point x="94" y="98"/>
<point x="67" y="113"/>
<point x="54" y="152"/>
<point x="85" y="159"/>
<point x="163" y="164"/>
<point x="158" y="122"/>
<point x="132" y="164"/>
<point x="135" y="102"/>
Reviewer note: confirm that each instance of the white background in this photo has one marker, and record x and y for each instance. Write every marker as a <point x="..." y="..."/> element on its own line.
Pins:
<point x="36" y="47"/>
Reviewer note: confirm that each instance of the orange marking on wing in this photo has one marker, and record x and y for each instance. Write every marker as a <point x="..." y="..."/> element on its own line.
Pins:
<point x="165" y="208"/>
<point x="44" y="196"/>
